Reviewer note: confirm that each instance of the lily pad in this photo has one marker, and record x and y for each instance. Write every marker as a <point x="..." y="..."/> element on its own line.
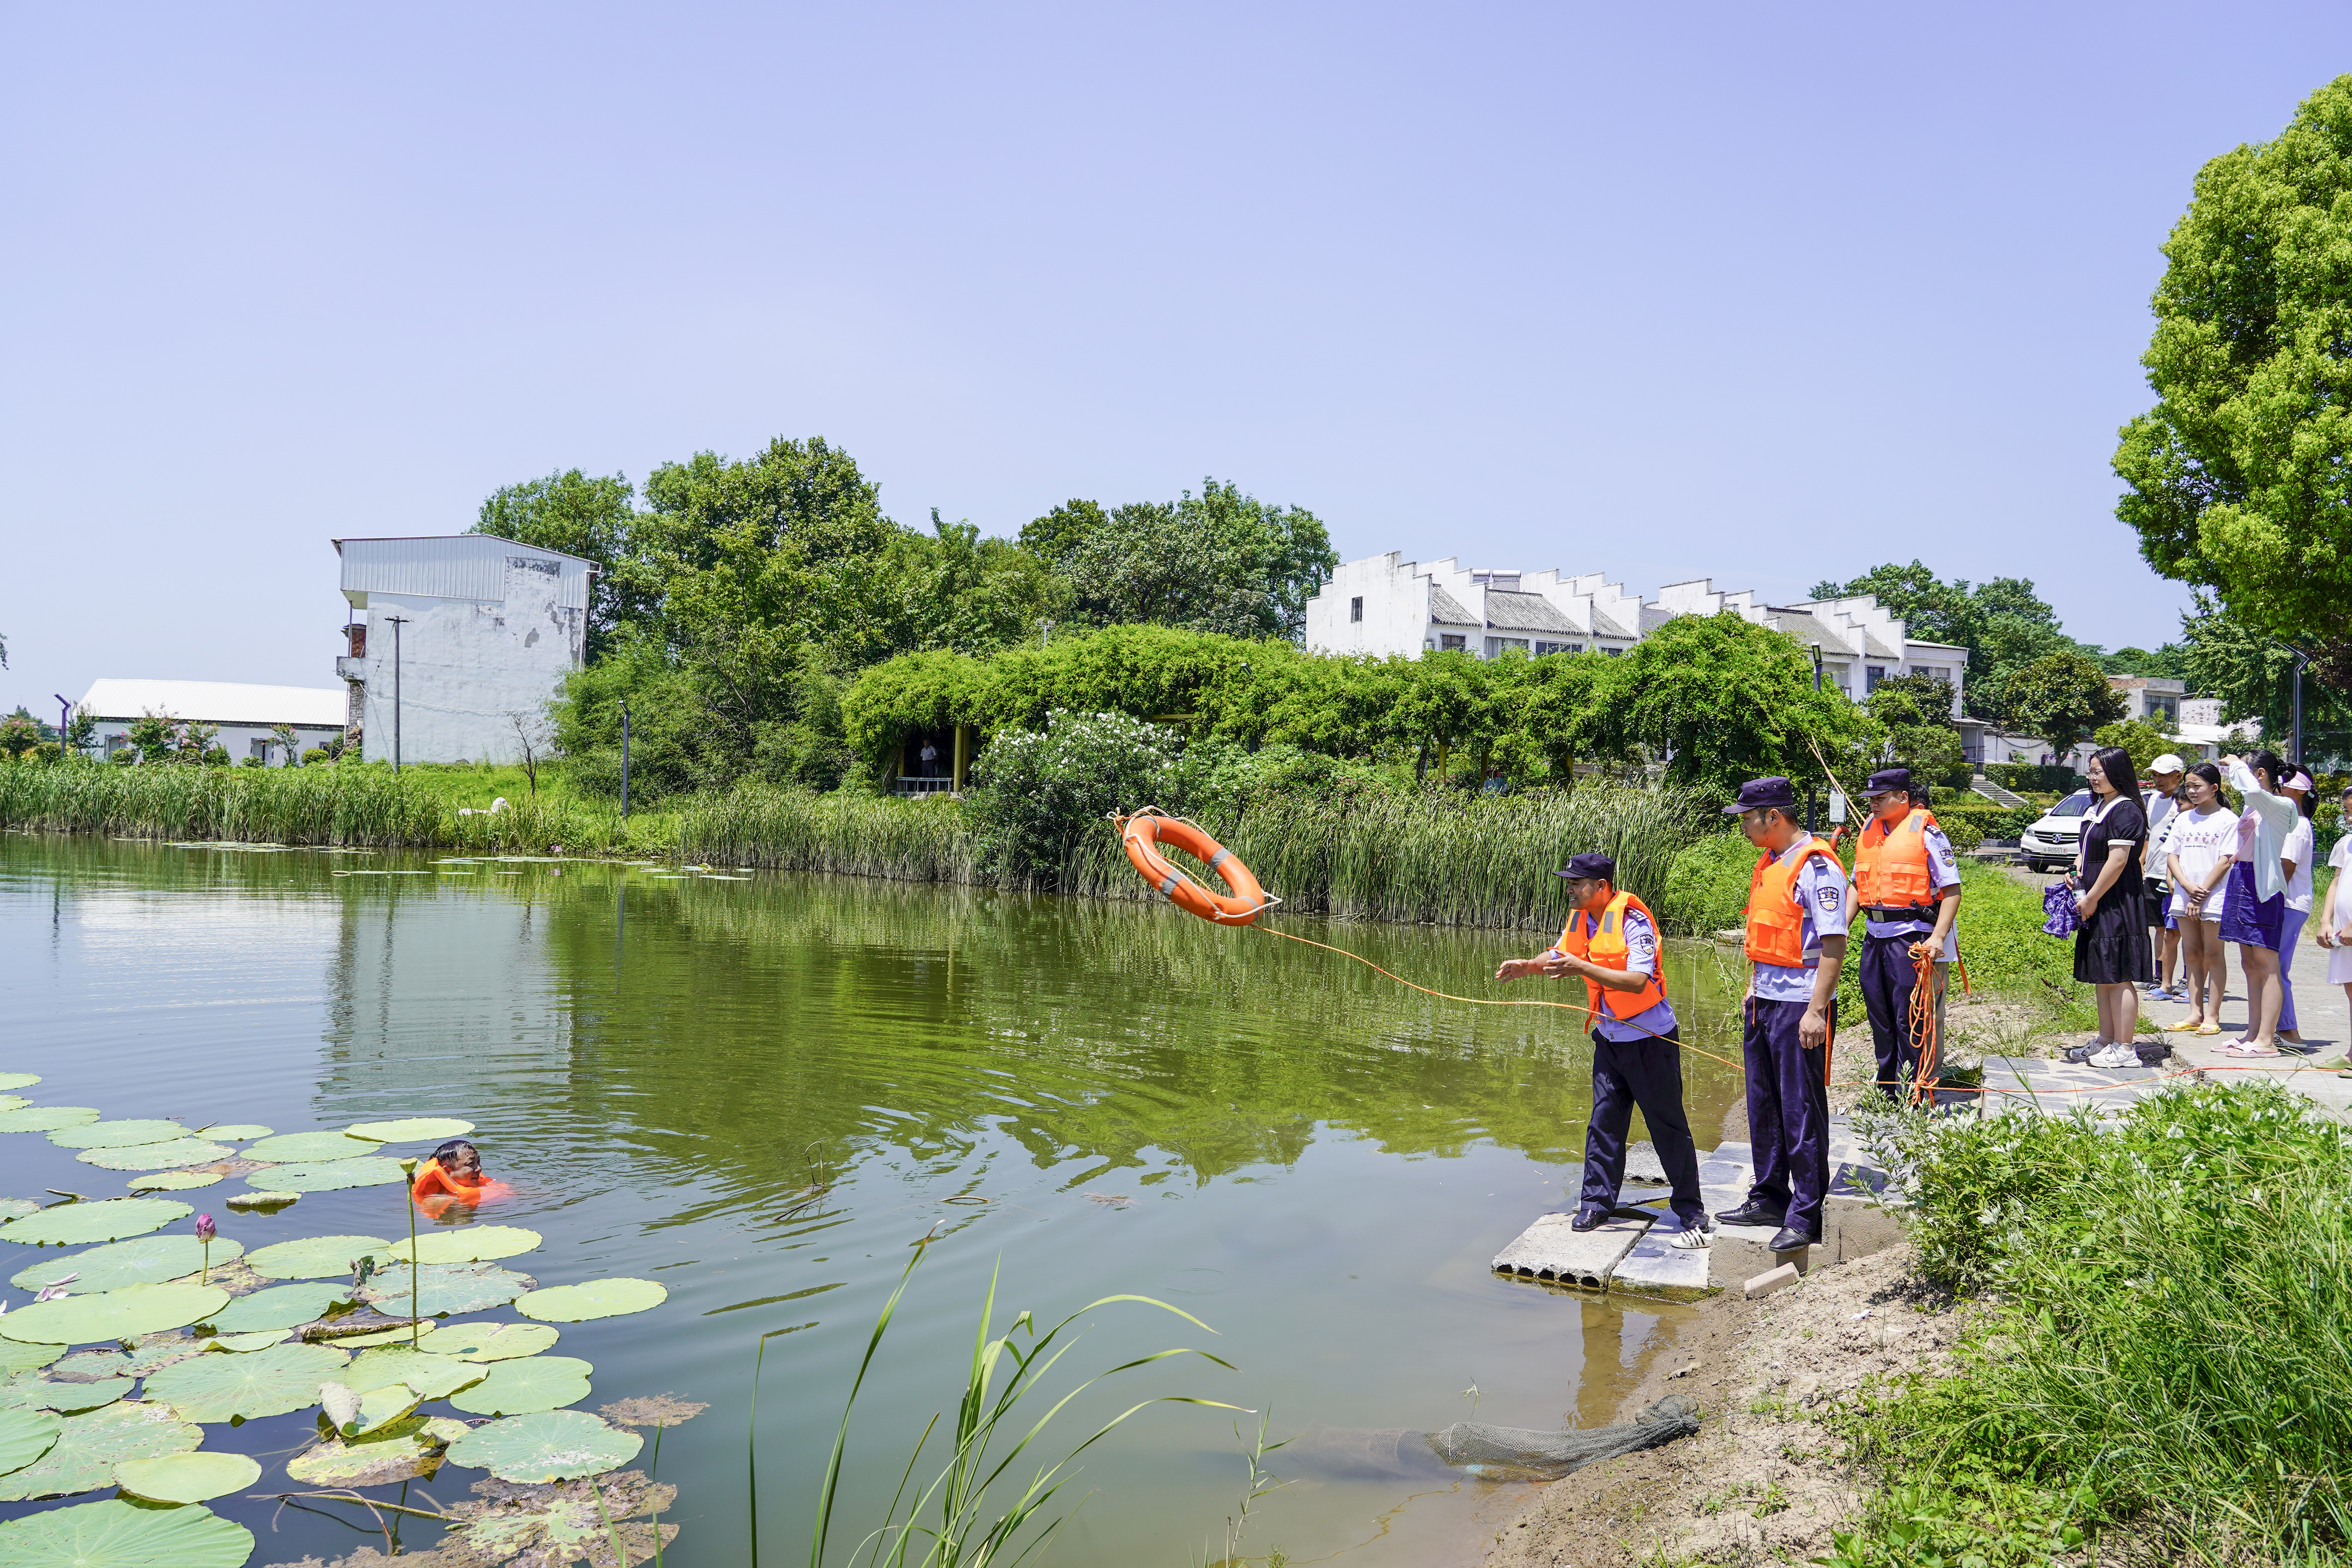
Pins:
<point x="260" y="1200"/>
<point x="407" y="1449"/>
<point x="15" y="1208"/>
<point x="124" y="1314"/>
<point x="412" y="1130"/>
<point x="26" y="1435"/>
<point x="552" y="1445"/>
<point x="596" y="1298"/>
<point x="279" y="1307"/>
<point x="89" y="1366"/>
<point x="171" y="1181"/>
<point x="473" y="1244"/>
<point x="307" y="1148"/>
<point x="89" y="1447"/>
<point x="13" y="1102"/>
<point x="18" y="1079"/>
<point x="495" y="1341"/>
<point x="244" y="1344"/>
<point x="15" y="1356"/>
<point x="148" y="1260"/>
<point x="560" y="1523"/>
<point x="399" y="1336"/>
<point x="653" y="1410"/>
<point x="117" y="1534"/>
<point x="430" y="1375"/>
<point x="169" y="1156"/>
<point x="117" y="1134"/>
<point x="233" y="1132"/>
<point x="162" y="1351"/>
<point x="65" y="1398"/>
<point x="77" y="1225"/>
<point x="520" y="1387"/>
<point x="326" y="1175"/>
<point x="446" y="1288"/>
<point x="266" y="1383"/>
<point x="363" y="1415"/>
<point x="314" y="1257"/>
<point x="47" y="1117"/>
<point x="187" y="1478"/>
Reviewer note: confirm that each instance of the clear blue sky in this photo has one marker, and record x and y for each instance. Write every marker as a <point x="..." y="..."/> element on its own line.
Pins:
<point x="1761" y="293"/>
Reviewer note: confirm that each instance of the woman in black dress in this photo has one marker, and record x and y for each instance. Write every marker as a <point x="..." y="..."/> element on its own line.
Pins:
<point x="2111" y="947"/>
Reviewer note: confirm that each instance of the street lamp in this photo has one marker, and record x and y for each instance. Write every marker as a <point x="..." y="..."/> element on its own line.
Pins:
<point x="1045" y="632"/>
<point x="1809" y="788"/>
<point x="395" y="621"/>
<point x="65" y="716"/>
<point x="624" y="759"/>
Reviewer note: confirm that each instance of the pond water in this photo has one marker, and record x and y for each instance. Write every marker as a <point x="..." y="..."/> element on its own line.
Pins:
<point x="1086" y="1099"/>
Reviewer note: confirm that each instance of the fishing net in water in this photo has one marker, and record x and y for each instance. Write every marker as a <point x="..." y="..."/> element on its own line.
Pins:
<point x="1479" y="1449"/>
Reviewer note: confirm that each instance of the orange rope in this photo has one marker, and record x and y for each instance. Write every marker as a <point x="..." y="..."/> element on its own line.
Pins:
<point x="1926" y="990"/>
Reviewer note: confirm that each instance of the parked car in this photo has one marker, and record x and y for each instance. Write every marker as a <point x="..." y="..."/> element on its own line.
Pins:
<point x="2051" y="843"/>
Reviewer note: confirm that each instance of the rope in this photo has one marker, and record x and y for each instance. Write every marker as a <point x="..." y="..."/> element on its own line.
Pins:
<point x="1927" y="991"/>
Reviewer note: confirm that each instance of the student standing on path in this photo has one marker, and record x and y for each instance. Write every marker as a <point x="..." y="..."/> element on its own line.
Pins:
<point x="1612" y="941"/>
<point x="2199" y="845"/>
<point x="2295" y="858"/>
<point x="2336" y="923"/>
<point x="2158" y="803"/>
<point x="1907" y="881"/>
<point x="1796" y="940"/>
<point x="2255" y="915"/>
<point x="2111" y="951"/>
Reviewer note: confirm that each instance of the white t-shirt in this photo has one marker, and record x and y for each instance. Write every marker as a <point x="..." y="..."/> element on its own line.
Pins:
<point x="2339" y="891"/>
<point x="2160" y="808"/>
<point x="2199" y="840"/>
<point x="2299" y="848"/>
<point x="1820" y="892"/>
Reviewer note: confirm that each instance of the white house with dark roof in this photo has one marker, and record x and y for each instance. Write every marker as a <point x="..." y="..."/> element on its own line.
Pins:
<point x="247" y="717"/>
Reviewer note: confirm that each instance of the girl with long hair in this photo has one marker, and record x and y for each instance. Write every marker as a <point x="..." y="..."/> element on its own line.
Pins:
<point x="2111" y="946"/>
<point x="2198" y="848"/>
<point x="2254" y="914"/>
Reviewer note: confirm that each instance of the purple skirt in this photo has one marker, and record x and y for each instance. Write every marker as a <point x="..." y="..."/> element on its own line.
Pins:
<point x="2245" y="921"/>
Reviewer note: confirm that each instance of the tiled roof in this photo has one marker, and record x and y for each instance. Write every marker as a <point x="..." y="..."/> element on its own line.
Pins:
<point x="1444" y="607"/>
<point x="1525" y="613"/>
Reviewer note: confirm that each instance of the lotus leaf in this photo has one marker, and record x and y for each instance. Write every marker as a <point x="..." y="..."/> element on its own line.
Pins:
<point x="89" y="1366"/>
<point x="552" y="1445"/>
<point x="26" y="1435"/>
<point x="15" y="1208"/>
<point x="473" y="1244"/>
<point x="18" y="1079"/>
<point x="160" y="1353"/>
<point x="89" y="1447"/>
<point x="264" y="1382"/>
<point x="46" y="1117"/>
<point x="124" y="1314"/>
<point x="169" y="1156"/>
<point x="117" y="1534"/>
<point x="13" y="1102"/>
<point x="314" y="1257"/>
<point x="66" y="1398"/>
<point x="259" y="1339"/>
<point x="596" y="1298"/>
<point x="279" y="1307"/>
<point x="148" y="1260"/>
<point x="307" y="1148"/>
<point x="495" y="1341"/>
<point x="446" y="1287"/>
<point x="233" y="1132"/>
<point x="77" y="1225"/>
<point x="261" y="1200"/>
<point x="326" y="1175"/>
<point x="560" y="1524"/>
<point x="433" y="1376"/>
<point x="187" y="1478"/>
<point x="653" y="1410"/>
<point x="15" y="1357"/>
<point x="399" y="1336"/>
<point x="340" y="1405"/>
<point x="408" y="1448"/>
<point x="172" y="1181"/>
<point x="116" y="1134"/>
<point x="520" y="1387"/>
<point x="412" y="1130"/>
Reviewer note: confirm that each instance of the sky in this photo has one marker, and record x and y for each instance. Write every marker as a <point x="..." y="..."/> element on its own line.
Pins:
<point x="1761" y="294"/>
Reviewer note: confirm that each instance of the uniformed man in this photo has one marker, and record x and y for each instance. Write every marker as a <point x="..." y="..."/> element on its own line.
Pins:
<point x="1796" y="941"/>
<point x="1610" y="942"/>
<point x="1907" y="881"/>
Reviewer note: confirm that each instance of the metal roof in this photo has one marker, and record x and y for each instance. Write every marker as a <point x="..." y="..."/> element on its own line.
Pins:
<point x="1510" y="611"/>
<point x="453" y="566"/>
<point x="217" y="702"/>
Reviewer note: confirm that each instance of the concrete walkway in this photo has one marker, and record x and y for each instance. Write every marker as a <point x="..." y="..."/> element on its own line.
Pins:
<point x="1995" y="793"/>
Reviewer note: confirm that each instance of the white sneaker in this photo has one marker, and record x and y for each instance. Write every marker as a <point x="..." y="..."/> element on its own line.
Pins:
<point x="2115" y="1056"/>
<point x="1691" y="1239"/>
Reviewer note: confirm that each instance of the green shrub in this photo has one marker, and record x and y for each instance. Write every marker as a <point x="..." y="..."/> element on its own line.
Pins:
<point x="2053" y="778"/>
<point x="315" y="756"/>
<point x="1039" y="792"/>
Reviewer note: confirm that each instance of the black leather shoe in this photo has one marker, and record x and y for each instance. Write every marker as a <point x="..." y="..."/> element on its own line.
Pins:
<point x="1791" y="1239"/>
<point x="1753" y="1214"/>
<point x="1589" y="1219"/>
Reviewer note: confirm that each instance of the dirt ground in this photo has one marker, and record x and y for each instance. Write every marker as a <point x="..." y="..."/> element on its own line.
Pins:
<point x="1763" y="1482"/>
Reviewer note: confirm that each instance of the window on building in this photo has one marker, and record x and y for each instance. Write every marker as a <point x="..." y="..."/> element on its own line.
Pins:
<point x="1450" y="641"/>
<point x="258" y="748"/>
<point x="1614" y="652"/>
<point x="1495" y="645"/>
<point x="1355" y="608"/>
<point x="2166" y="709"/>
<point x="1543" y="648"/>
<point x="1873" y="675"/>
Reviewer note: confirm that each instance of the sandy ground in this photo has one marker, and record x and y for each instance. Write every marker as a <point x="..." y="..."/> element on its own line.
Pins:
<point x="1764" y="1481"/>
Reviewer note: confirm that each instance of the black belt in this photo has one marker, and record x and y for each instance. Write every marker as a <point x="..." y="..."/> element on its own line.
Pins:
<point x="1914" y="912"/>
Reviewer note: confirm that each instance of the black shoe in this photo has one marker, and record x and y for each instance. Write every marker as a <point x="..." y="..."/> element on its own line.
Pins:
<point x="1589" y="1219"/>
<point x="2152" y="1053"/>
<point x="1754" y="1213"/>
<point x="1792" y="1239"/>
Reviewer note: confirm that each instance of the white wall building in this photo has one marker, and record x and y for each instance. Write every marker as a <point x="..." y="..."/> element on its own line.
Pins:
<point x="247" y="716"/>
<point x="489" y="628"/>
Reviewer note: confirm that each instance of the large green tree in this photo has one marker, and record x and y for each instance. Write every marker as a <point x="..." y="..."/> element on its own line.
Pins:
<point x="2062" y="698"/>
<point x="1219" y="562"/>
<point x="1916" y="710"/>
<point x="2003" y="623"/>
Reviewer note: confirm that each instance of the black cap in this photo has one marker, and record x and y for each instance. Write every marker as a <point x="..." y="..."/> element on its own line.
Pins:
<point x="1756" y="794"/>
<point x="1590" y="865"/>
<point x="1886" y="779"/>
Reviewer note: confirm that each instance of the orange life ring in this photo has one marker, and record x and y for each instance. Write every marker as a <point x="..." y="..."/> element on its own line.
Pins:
<point x="1142" y="835"/>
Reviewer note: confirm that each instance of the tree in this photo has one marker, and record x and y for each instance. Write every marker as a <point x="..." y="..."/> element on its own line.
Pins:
<point x="2003" y="623"/>
<point x="1916" y="710"/>
<point x="2253" y="675"/>
<point x="2170" y="662"/>
<point x="2239" y="479"/>
<point x="2144" y="741"/>
<point x="283" y="735"/>
<point x="590" y="518"/>
<point x="19" y="733"/>
<point x="532" y="739"/>
<point x="2062" y="698"/>
<point x="1219" y="562"/>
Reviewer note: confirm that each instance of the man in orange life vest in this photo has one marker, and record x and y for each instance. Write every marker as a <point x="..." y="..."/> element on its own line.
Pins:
<point x="1907" y="882"/>
<point x="1796" y="940"/>
<point x="1611" y="943"/>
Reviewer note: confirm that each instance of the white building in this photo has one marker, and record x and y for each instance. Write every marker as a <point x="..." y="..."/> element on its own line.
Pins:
<point x="247" y="716"/>
<point x="484" y="631"/>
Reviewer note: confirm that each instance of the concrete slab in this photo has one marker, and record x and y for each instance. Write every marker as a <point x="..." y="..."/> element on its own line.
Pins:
<point x="1741" y="1252"/>
<point x="1552" y="1250"/>
<point x="1643" y="1165"/>
<point x="1658" y="1270"/>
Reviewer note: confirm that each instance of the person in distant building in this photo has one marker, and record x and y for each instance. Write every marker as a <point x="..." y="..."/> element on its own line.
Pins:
<point x="1612" y="943"/>
<point x="2157" y="802"/>
<point x="1907" y="881"/>
<point x="1797" y="912"/>
<point x="930" y="759"/>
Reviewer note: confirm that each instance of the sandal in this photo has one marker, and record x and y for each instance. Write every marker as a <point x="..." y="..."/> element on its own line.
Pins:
<point x="2240" y="1048"/>
<point x="2206" y="1029"/>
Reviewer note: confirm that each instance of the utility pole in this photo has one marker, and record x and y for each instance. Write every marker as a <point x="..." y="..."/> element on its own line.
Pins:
<point x="397" y="623"/>
<point x="2300" y="659"/>
<point x="65" y="716"/>
<point x="624" y="759"/>
<point x="1809" y="788"/>
<point x="1045" y="632"/>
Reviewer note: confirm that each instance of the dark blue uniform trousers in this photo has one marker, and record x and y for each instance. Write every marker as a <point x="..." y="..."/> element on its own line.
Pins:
<point x="1647" y="1073"/>
<point x="1887" y="978"/>
<point x="1787" y="1112"/>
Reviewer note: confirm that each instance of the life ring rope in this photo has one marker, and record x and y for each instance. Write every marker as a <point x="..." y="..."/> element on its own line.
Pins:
<point x="1141" y="832"/>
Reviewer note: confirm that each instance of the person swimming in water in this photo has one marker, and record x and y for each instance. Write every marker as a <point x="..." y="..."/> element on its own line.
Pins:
<point x="454" y="1171"/>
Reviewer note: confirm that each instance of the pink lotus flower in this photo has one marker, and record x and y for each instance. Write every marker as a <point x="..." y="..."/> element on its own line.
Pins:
<point x="205" y="1229"/>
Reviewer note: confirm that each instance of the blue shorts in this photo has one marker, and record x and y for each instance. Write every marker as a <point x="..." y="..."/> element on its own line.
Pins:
<point x="2247" y="922"/>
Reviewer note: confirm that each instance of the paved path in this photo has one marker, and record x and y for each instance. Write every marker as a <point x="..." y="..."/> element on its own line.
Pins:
<point x="1995" y="793"/>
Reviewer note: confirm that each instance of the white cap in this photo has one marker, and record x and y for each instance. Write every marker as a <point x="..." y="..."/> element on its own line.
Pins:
<point x="2168" y="763"/>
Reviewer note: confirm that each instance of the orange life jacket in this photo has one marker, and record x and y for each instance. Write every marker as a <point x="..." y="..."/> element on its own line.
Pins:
<point x="432" y="1179"/>
<point x="1606" y="947"/>
<point x="1890" y="867"/>
<point x="1776" y="924"/>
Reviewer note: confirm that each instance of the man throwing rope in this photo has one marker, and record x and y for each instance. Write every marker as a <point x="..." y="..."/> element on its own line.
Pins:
<point x="1909" y="883"/>
<point x="1612" y="943"/>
